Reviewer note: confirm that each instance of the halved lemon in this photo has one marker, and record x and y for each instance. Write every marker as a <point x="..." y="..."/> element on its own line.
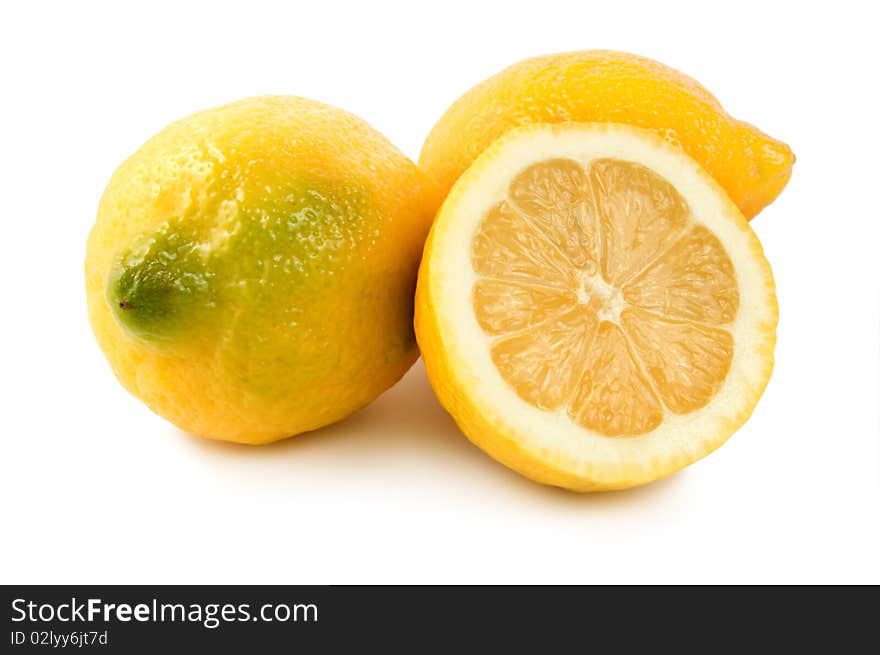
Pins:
<point x="592" y="308"/>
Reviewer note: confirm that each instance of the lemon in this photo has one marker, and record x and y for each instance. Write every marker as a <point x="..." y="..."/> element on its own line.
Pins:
<point x="616" y="87"/>
<point x="251" y="271"/>
<point x="592" y="308"/>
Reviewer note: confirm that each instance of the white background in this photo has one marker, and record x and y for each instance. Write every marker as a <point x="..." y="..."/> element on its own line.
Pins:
<point x="95" y="488"/>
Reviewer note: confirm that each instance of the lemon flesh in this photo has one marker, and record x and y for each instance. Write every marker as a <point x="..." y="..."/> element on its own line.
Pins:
<point x="608" y="300"/>
<point x="613" y="318"/>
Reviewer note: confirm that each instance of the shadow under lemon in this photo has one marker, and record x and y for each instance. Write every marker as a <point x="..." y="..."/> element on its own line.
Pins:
<point x="404" y="430"/>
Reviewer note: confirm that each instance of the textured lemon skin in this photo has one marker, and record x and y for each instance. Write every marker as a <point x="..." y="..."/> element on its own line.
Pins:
<point x="502" y="440"/>
<point x="321" y="333"/>
<point x="615" y="87"/>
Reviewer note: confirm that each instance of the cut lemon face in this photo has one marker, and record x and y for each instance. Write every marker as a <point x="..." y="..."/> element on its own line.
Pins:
<point x="592" y="308"/>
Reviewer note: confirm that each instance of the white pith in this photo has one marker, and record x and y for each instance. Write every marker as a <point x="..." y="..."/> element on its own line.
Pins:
<point x="608" y="298"/>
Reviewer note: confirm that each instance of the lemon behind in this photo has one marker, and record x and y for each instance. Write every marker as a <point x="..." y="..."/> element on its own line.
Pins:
<point x="611" y="87"/>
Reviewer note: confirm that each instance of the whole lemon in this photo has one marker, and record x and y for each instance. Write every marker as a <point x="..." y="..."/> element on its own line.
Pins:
<point x="604" y="86"/>
<point x="251" y="271"/>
